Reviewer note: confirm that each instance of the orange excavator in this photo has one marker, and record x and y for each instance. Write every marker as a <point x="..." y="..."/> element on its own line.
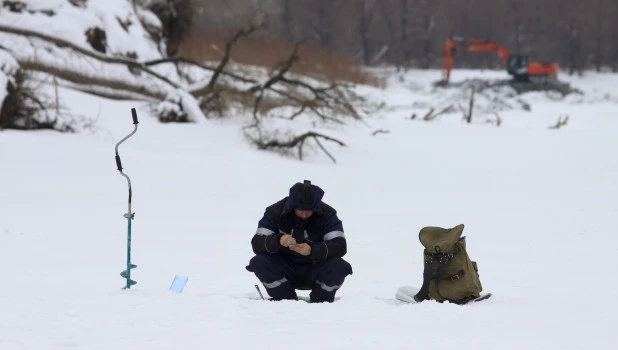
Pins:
<point x="516" y="65"/>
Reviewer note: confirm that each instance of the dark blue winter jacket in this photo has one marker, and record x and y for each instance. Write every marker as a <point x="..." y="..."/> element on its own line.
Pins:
<point x="323" y="231"/>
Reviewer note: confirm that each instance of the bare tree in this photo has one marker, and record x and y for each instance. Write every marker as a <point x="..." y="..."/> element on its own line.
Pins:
<point x="403" y="41"/>
<point x="365" y="10"/>
<point x="426" y="10"/>
<point x="517" y="25"/>
<point x="286" y="19"/>
<point x="615" y="41"/>
<point x="323" y="14"/>
<point x="385" y="11"/>
<point x="599" y="35"/>
<point x="569" y="28"/>
<point x="575" y="46"/>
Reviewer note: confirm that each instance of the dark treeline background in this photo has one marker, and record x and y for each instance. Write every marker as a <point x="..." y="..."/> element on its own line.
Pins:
<point x="578" y="34"/>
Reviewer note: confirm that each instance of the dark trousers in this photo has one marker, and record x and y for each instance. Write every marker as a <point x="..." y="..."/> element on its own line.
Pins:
<point x="281" y="278"/>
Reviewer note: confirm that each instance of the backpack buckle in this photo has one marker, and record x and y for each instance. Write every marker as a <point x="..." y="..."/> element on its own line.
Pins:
<point x="457" y="276"/>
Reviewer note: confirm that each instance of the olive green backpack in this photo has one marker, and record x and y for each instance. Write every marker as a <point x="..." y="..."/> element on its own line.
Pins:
<point x="449" y="273"/>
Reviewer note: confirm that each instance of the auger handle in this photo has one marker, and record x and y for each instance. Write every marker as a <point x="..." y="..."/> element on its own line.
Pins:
<point x="134" y="113"/>
<point x="135" y="122"/>
<point x="118" y="163"/>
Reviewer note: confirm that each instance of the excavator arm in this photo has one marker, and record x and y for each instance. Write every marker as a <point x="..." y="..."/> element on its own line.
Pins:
<point x="457" y="43"/>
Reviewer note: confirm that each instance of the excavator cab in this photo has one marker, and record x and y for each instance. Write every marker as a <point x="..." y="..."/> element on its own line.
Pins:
<point x="517" y="66"/>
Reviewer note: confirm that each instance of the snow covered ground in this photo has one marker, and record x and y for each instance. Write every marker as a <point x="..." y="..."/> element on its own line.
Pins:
<point x="539" y="207"/>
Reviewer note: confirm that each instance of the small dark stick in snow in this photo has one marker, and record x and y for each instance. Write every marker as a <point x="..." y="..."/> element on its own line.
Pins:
<point x="259" y="291"/>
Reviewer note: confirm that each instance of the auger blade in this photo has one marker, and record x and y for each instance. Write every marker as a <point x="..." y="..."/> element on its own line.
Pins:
<point x="125" y="273"/>
<point x="130" y="283"/>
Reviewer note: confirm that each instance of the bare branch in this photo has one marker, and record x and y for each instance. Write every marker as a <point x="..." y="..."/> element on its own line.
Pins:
<point x="317" y="140"/>
<point x="256" y="107"/>
<point x="286" y="66"/>
<point x="311" y="104"/>
<point x="561" y="122"/>
<point x="296" y="114"/>
<point x="244" y="32"/>
<point x="320" y="96"/>
<point x="471" y="107"/>
<point x="299" y="142"/>
<point x="325" y="95"/>
<point x="380" y="131"/>
<point x="496" y="122"/>
<point x="431" y="115"/>
<point x="177" y="60"/>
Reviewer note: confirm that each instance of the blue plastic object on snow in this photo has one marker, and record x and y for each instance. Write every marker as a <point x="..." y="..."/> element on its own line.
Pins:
<point x="178" y="284"/>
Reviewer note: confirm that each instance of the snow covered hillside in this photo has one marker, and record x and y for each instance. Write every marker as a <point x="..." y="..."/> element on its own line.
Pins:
<point x="88" y="43"/>
<point x="538" y="206"/>
<point x="125" y="25"/>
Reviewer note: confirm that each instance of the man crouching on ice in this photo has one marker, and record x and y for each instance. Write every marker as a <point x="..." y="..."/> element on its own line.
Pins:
<point x="299" y="244"/>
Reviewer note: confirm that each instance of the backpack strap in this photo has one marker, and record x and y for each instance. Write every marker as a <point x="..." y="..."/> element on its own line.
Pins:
<point x="423" y="294"/>
<point x="442" y="259"/>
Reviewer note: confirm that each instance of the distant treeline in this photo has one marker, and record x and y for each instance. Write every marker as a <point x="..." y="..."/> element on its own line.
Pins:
<point x="578" y="34"/>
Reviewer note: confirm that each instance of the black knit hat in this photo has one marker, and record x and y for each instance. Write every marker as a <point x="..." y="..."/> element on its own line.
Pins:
<point x="306" y="196"/>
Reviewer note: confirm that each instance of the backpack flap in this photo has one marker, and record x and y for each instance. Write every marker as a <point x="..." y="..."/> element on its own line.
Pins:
<point x="440" y="240"/>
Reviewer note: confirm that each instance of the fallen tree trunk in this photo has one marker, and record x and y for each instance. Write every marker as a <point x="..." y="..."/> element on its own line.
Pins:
<point x="107" y="59"/>
<point x="89" y="82"/>
<point x="79" y="78"/>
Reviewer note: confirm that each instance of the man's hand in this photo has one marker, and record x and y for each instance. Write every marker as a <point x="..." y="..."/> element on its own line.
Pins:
<point x="302" y="249"/>
<point x="287" y="241"/>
